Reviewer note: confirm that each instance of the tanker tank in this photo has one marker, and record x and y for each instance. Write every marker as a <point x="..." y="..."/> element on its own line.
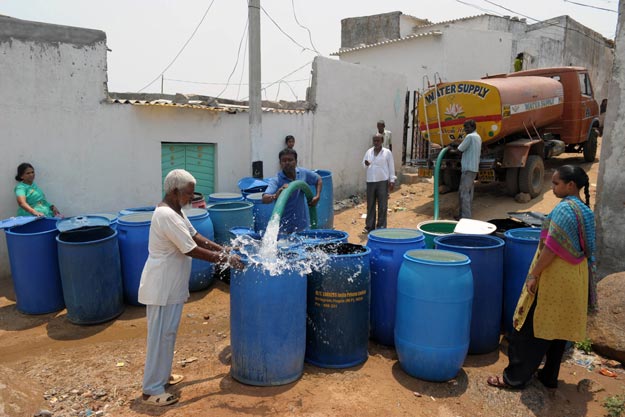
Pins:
<point x="501" y="107"/>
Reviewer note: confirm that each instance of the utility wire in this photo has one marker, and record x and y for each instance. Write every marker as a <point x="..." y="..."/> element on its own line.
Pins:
<point x="181" y="49"/>
<point x="283" y="78"/>
<point x="591" y="6"/>
<point x="209" y="83"/>
<point x="290" y="88"/>
<point x="304" y="27"/>
<point x="475" y="6"/>
<point x="242" y="67"/>
<point x="546" y="22"/>
<point x="286" y="34"/>
<point x="243" y="36"/>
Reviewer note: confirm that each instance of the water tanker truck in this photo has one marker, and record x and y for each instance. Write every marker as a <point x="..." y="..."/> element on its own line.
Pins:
<point x="523" y="118"/>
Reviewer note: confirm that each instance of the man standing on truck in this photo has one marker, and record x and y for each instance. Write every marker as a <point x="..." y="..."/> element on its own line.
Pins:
<point x="471" y="148"/>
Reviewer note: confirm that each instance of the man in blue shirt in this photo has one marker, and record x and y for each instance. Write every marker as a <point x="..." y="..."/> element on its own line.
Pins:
<point x="471" y="148"/>
<point x="294" y="218"/>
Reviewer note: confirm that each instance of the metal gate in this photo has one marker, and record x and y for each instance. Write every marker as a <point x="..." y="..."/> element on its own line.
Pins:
<point x="415" y="148"/>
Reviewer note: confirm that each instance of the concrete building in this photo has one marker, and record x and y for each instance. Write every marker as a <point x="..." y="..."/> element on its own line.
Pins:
<point x="96" y="151"/>
<point x="472" y="47"/>
<point x="611" y="180"/>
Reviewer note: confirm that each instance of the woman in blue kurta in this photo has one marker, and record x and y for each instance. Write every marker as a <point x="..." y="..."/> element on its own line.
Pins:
<point x="30" y="199"/>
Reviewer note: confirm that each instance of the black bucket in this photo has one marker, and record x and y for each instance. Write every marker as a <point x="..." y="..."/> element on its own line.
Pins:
<point x="504" y="225"/>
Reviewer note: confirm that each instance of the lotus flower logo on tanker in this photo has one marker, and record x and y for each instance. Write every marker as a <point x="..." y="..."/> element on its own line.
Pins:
<point x="460" y="88"/>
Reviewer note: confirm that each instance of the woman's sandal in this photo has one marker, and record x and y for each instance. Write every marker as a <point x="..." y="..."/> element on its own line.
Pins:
<point x="175" y="379"/>
<point x="497" y="382"/>
<point x="160" y="400"/>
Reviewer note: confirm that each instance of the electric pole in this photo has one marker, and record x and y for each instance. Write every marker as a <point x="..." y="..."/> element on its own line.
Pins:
<point x="255" y="93"/>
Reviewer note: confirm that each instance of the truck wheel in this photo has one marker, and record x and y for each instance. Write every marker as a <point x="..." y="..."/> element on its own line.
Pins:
<point x="451" y="178"/>
<point x="512" y="181"/>
<point x="531" y="176"/>
<point x="590" y="146"/>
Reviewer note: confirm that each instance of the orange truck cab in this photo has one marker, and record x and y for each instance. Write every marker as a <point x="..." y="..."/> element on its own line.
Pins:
<point x="522" y="118"/>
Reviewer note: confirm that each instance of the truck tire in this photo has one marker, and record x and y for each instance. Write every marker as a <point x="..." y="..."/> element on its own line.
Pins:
<point x="512" y="181"/>
<point x="590" y="146"/>
<point x="451" y="178"/>
<point x="531" y="176"/>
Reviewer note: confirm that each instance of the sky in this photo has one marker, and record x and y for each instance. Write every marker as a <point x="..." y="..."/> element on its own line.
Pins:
<point x="145" y="36"/>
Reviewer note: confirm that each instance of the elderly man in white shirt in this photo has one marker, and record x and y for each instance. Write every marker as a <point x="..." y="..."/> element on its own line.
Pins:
<point x="164" y="285"/>
<point x="378" y="162"/>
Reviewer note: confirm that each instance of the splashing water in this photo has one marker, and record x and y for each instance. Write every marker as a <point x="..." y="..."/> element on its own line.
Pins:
<point x="269" y="246"/>
<point x="275" y="255"/>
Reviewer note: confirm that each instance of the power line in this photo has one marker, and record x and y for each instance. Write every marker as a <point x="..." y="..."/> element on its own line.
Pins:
<point x="475" y="6"/>
<point x="242" y="67"/>
<point x="181" y="49"/>
<point x="286" y="34"/>
<point x="243" y="36"/>
<point x="591" y="6"/>
<point x="210" y="83"/>
<point x="546" y="22"/>
<point x="304" y="27"/>
<point x="284" y="77"/>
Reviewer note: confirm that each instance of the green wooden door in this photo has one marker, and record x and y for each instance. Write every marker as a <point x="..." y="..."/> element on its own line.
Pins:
<point x="197" y="158"/>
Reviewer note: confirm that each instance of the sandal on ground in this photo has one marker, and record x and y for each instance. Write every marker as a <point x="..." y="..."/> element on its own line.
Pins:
<point x="175" y="379"/>
<point x="160" y="400"/>
<point x="497" y="382"/>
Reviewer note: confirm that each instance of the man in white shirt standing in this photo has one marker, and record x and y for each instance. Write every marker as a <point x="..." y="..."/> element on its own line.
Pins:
<point x="471" y="148"/>
<point x="382" y="130"/>
<point x="378" y="162"/>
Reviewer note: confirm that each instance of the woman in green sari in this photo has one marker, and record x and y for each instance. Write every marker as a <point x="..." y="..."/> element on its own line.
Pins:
<point x="30" y="199"/>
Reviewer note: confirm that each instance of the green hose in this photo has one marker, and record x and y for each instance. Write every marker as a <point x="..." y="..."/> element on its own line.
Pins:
<point x="284" y="197"/>
<point x="437" y="170"/>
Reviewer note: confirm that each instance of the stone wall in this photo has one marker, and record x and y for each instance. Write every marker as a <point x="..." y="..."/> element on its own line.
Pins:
<point x="610" y="207"/>
<point x="367" y="30"/>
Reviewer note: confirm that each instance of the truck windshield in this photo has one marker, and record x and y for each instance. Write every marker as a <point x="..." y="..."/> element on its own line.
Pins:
<point x="584" y="84"/>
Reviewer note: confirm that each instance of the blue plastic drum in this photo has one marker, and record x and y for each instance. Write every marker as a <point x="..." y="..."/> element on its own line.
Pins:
<point x="387" y="250"/>
<point x="112" y="218"/>
<point x="90" y="269"/>
<point x="319" y="236"/>
<point x="337" y="332"/>
<point x="35" y="267"/>
<point x="521" y="245"/>
<point x="325" y="207"/>
<point x="433" y="322"/>
<point x="228" y="215"/>
<point x="262" y="212"/>
<point x="133" y="236"/>
<point x="486" y="255"/>
<point x="268" y="326"/>
<point x="224" y="197"/>
<point x="133" y="210"/>
<point x="202" y="272"/>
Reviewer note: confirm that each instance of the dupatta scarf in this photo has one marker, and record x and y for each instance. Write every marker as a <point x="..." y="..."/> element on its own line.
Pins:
<point x="569" y="231"/>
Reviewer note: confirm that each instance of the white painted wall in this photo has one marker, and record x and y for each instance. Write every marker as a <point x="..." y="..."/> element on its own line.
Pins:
<point x="457" y="54"/>
<point x="94" y="156"/>
<point x="350" y="100"/>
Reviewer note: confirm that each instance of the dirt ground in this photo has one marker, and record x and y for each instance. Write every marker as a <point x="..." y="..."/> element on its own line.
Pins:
<point x="47" y="363"/>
